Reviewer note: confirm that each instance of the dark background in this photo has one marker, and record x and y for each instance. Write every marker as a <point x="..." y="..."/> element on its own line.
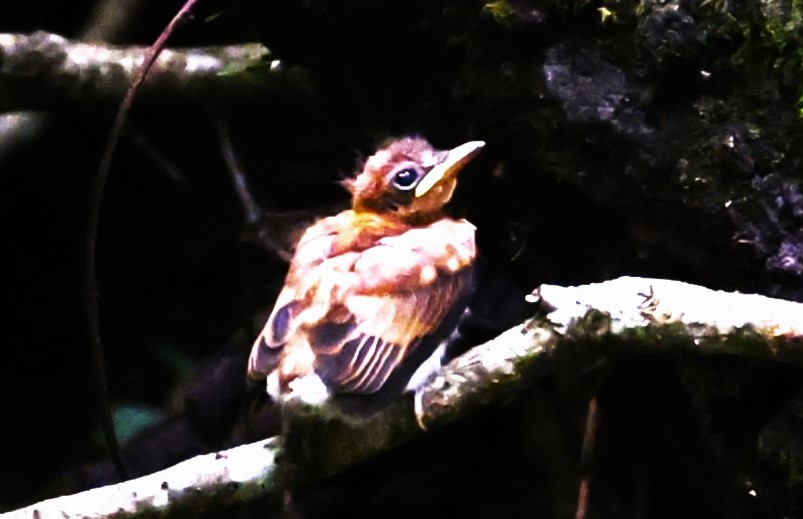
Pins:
<point x="662" y="142"/>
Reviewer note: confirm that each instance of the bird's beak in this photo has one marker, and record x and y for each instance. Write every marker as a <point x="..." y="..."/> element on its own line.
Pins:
<point x="453" y="162"/>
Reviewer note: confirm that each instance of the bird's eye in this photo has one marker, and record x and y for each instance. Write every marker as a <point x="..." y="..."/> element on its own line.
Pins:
<point x="406" y="179"/>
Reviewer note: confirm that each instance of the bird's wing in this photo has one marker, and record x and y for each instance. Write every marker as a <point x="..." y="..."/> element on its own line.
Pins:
<point x="403" y="289"/>
<point x="359" y="355"/>
<point x="360" y="314"/>
<point x="305" y="270"/>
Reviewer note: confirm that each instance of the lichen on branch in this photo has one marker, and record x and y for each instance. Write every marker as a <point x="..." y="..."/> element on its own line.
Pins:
<point x="574" y="327"/>
<point x="44" y="70"/>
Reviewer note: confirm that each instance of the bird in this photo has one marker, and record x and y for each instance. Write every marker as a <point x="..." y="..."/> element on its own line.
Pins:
<point x="371" y="292"/>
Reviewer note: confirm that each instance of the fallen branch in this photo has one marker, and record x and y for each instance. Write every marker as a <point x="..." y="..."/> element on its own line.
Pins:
<point x="623" y="316"/>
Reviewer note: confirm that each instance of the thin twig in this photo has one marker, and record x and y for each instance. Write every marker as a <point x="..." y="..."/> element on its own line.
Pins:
<point x="589" y="444"/>
<point x="259" y="224"/>
<point x="152" y="153"/>
<point x="91" y="289"/>
<point x="251" y="210"/>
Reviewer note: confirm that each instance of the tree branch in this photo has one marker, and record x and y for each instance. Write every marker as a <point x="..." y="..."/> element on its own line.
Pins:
<point x="703" y="314"/>
<point x="582" y="324"/>
<point x="46" y="71"/>
<point x="221" y="478"/>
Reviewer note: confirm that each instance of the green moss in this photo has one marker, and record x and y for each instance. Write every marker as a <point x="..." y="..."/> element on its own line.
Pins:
<point x="502" y="12"/>
<point x="783" y="25"/>
<point x="792" y="467"/>
<point x="593" y="324"/>
<point x="319" y="441"/>
<point x="772" y="42"/>
<point x="744" y="342"/>
<point x="776" y="447"/>
<point x="783" y="21"/>
<point x="253" y="57"/>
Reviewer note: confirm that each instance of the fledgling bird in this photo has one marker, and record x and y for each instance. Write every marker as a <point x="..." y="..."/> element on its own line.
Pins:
<point x="372" y="291"/>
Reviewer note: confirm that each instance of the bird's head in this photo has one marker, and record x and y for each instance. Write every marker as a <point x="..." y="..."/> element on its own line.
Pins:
<point x="410" y="178"/>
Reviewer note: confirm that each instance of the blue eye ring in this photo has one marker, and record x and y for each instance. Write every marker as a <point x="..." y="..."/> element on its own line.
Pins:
<point x="406" y="178"/>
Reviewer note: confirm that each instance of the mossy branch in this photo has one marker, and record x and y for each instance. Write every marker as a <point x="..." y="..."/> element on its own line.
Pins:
<point x="46" y="71"/>
<point x="576" y="327"/>
<point x="189" y="488"/>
